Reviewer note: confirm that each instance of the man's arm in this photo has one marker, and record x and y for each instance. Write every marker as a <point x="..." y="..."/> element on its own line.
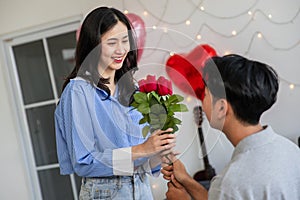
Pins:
<point x="195" y="189"/>
<point x="176" y="191"/>
<point x="177" y="172"/>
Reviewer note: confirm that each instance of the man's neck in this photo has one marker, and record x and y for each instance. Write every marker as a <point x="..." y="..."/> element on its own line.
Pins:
<point x="237" y="131"/>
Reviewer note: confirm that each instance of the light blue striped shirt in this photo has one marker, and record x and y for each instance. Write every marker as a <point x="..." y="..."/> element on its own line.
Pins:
<point x="94" y="136"/>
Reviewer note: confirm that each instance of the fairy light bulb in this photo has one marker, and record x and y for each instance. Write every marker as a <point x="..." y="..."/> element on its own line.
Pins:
<point x="154" y="27"/>
<point x="126" y="12"/>
<point x="198" y="37"/>
<point x="187" y="22"/>
<point x="227" y="53"/>
<point x="249" y="12"/>
<point x="233" y="32"/>
<point x="259" y="35"/>
<point x="154" y="186"/>
<point x="202" y="8"/>
<point x="172" y="53"/>
<point x="188" y="99"/>
<point x="270" y="16"/>
<point x="145" y="13"/>
<point x="292" y="86"/>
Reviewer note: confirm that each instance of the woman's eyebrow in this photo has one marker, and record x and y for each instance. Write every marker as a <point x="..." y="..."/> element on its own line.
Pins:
<point x="124" y="37"/>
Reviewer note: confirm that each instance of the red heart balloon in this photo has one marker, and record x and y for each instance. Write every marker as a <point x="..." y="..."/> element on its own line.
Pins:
<point x="185" y="70"/>
<point x="140" y="31"/>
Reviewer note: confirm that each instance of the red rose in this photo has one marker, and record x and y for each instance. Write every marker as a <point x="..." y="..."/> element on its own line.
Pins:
<point x="142" y="84"/>
<point x="148" y="85"/>
<point x="164" y="86"/>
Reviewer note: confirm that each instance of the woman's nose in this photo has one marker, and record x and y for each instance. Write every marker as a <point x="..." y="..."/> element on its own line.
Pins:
<point x="121" y="48"/>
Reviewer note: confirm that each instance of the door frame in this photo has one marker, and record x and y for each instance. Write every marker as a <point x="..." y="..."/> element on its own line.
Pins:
<point x="15" y="94"/>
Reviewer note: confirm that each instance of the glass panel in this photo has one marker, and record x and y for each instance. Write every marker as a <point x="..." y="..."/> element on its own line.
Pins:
<point x="33" y="72"/>
<point x="55" y="186"/>
<point x="42" y="132"/>
<point x="62" y="52"/>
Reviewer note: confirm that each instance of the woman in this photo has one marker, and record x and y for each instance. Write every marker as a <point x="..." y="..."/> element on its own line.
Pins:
<point x="98" y="134"/>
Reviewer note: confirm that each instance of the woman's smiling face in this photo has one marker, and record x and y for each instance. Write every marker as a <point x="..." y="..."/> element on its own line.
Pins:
<point x="115" y="46"/>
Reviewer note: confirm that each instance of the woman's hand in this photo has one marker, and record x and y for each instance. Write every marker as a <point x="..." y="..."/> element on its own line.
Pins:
<point x="158" y="142"/>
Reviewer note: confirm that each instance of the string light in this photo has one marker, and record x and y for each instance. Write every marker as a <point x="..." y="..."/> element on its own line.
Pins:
<point x="227" y="53"/>
<point x="160" y="18"/>
<point x="292" y="86"/>
<point x="198" y="37"/>
<point x="259" y="35"/>
<point x="126" y="12"/>
<point x="154" y="186"/>
<point x="198" y="7"/>
<point x="189" y="99"/>
<point x="250" y="11"/>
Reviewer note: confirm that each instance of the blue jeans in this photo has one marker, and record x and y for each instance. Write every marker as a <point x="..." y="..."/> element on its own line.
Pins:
<point x="135" y="187"/>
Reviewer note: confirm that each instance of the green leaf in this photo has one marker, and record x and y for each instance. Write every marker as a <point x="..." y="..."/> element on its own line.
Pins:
<point x="143" y="120"/>
<point x="168" y="124"/>
<point x="175" y="98"/>
<point x="175" y="128"/>
<point x="163" y="118"/>
<point x="135" y="104"/>
<point x="183" y="108"/>
<point x="145" y="131"/>
<point x="156" y="126"/>
<point x="157" y="97"/>
<point x="152" y="100"/>
<point x="143" y="108"/>
<point x="170" y="113"/>
<point x="140" y="97"/>
<point x="178" y="108"/>
<point x="176" y="121"/>
<point x="154" y="120"/>
<point x="158" y="109"/>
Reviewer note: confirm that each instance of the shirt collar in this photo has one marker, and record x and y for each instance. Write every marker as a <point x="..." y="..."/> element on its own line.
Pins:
<point x="114" y="96"/>
<point x="254" y="141"/>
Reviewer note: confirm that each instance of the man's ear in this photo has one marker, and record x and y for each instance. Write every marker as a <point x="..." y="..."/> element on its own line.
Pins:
<point x="222" y="108"/>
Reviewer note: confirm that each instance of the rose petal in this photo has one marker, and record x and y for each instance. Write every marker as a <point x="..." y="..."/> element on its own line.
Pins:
<point x="163" y="86"/>
<point x="150" y="83"/>
<point x="142" y="84"/>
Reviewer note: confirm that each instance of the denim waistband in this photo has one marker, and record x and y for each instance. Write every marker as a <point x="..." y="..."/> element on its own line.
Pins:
<point x="109" y="179"/>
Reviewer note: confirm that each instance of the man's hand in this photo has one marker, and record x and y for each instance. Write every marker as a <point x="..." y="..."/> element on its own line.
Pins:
<point x="177" y="169"/>
<point x="176" y="191"/>
<point x="182" y="185"/>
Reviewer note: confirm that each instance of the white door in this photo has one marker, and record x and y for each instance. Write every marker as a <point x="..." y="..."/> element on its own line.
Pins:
<point x="37" y="62"/>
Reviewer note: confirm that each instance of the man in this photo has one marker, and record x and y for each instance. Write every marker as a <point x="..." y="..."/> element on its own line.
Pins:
<point x="264" y="165"/>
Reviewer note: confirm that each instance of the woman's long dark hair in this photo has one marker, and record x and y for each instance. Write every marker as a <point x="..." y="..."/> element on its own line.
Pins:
<point x="88" y="51"/>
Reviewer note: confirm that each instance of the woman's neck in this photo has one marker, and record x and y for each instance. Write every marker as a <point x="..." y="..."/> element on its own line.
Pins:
<point x="110" y="75"/>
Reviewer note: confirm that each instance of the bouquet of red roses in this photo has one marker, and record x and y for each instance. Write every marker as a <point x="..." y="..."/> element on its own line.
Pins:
<point x="158" y="104"/>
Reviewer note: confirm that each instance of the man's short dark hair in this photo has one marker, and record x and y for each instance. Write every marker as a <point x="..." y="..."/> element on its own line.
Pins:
<point x="249" y="86"/>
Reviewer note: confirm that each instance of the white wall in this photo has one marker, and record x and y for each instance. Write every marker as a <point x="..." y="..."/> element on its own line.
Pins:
<point x="221" y="18"/>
